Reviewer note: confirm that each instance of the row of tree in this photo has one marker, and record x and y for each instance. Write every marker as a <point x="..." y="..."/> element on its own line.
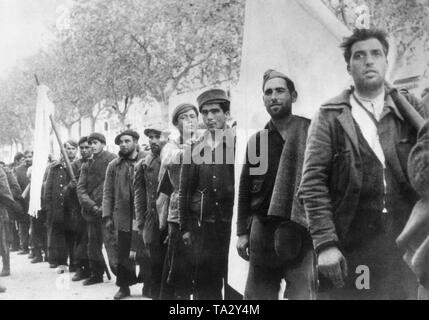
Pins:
<point x="106" y="53"/>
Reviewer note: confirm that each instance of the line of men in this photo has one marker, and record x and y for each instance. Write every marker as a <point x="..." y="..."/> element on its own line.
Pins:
<point x="336" y="194"/>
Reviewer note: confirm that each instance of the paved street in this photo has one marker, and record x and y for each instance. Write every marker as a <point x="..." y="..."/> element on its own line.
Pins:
<point x="38" y="282"/>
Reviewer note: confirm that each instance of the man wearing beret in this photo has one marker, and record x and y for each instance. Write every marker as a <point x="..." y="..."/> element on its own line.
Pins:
<point x="268" y="210"/>
<point x="59" y="215"/>
<point x="206" y="196"/>
<point x="81" y="235"/>
<point x="177" y="273"/>
<point x="355" y="188"/>
<point x="90" y="194"/>
<point x="118" y="206"/>
<point x="145" y="194"/>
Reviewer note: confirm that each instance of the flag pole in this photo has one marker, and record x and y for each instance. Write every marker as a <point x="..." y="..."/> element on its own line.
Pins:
<point x="63" y="151"/>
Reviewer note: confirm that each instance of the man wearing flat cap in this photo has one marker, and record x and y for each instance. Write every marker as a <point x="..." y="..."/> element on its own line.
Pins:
<point x="206" y="196"/>
<point x="271" y="224"/>
<point x="145" y="193"/>
<point x="90" y="194"/>
<point x="118" y="206"/>
<point x="177" y="273"/>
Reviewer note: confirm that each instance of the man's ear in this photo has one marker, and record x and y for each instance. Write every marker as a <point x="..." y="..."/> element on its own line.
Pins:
<point x="294" y="96"/>
<point x="348" y="68"/>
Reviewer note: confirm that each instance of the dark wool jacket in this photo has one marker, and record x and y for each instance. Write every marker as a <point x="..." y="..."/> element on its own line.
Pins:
<point x="418" y="162"/>
<point x="91" y="183"/>
<point x="7" y="202"/>
<point x="118" y="194"/>
<point x="23" y="180"/>
<point x="16" y="193"/>
<point x="56" y="191"/>
<point x="332" y="173"/>
<point x="206" y="191"/>
<point x="274" y="192"/>
<point x="145" y="190"/>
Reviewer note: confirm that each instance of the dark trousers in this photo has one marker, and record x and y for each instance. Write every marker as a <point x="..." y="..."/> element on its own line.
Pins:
<point x="4" y="244"/>
<point x="60" y="246"/>
<point x="95" y="245"/>
<point x="38" y="235"/>
<point x="266" y="270"/>
<point x="14" y="234"/>
<point x="23" y="230"/>
<point x="211" y="260"/>
<point x="176" y="281"/>
<point x="81" y="246"/>
<point x="389" y="276"/>
<point x="157" y="251"/>
<point x="126" y="272"/>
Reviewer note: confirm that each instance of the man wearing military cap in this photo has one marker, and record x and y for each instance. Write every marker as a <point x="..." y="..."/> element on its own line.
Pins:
<point x="206" y="196"/>
<point x="118" y="206"/>
<point x="145" y="194"/>
<point x="271" y="225"/>
<point x="90" y="194"/>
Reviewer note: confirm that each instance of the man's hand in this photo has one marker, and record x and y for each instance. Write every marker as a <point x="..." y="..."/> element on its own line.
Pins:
<point x="332" y="264"/>
<point x="98" y="212"/>
<point x="109" y="225"/>
<point x="243" y="246"/>
<point x="187" y="239"/>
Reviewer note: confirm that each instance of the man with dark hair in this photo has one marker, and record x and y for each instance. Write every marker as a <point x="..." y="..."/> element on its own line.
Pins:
<point x="18" y="159"/>
<point x="177" y="273"/>
<point x="90" y="194"/>
<point x="261" y="216"/>
<point x="118" y="206"/>
<point x="59" y="215"/>
<point x="355" y="189"/>
<point x="24" y="223"/>
<point x="81" y="236"/>
<point x="206" y="197"/>
<point x="145" y="189"/>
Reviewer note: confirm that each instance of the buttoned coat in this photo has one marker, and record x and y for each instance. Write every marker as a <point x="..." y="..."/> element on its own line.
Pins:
<point x="118" y="194"/>
<point x="91" y="183"/>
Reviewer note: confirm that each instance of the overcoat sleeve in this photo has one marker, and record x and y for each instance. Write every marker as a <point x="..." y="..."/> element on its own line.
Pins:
<point x="84" y="199"/>
<point x="140" y="200"/>
<point x="108" y="191"/>
<point x="244" y="199"/>
<point x="314" y="189"/>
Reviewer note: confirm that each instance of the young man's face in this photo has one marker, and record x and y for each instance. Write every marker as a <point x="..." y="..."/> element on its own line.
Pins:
<point x="277" y="98"/>
<point x="85" y="150"/>
<point x="70" y="151"/>
<point x="28" y="159"/>
<point x="155" y="142"/>
<point x="96" y="146"/>
<point x="368" y="64"/>
<point x="214" y="117"/>
<point x="127" y="145"/>
<point x="187" y="122"/>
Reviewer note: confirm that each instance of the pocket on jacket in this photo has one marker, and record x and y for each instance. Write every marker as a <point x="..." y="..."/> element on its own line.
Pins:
<point x="340" y="171"/>
<point x="403" y="149"/>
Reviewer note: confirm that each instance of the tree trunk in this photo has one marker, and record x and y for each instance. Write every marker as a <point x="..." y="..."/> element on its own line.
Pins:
<point x="164" y="111"/>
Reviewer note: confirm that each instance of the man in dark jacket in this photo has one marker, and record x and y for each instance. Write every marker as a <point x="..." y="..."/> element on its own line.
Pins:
<point x="18" y="159"/>
<point x="7" y="205"/>
<point x="145" y="188"/>
<point x="90" y="194"/>
<point x="257" y="229"/>
<point x="118" y="206"/>
<point x="206" y="196"/>
<point x="354" y="186"/>
<point x="59" y="215"/>
<point x="24" y="223"/>
<point x="81" y="235"/>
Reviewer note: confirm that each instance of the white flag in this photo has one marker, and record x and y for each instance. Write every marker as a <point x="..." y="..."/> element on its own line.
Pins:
<point x="300" y="39"/>
<point x="44" y="109"/>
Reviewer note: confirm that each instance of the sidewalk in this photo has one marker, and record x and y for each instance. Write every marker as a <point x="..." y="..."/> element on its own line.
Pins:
<point x="38" y="282"/>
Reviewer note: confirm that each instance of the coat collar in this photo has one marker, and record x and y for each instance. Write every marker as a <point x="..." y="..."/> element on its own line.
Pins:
<point x="343" y="100"/>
